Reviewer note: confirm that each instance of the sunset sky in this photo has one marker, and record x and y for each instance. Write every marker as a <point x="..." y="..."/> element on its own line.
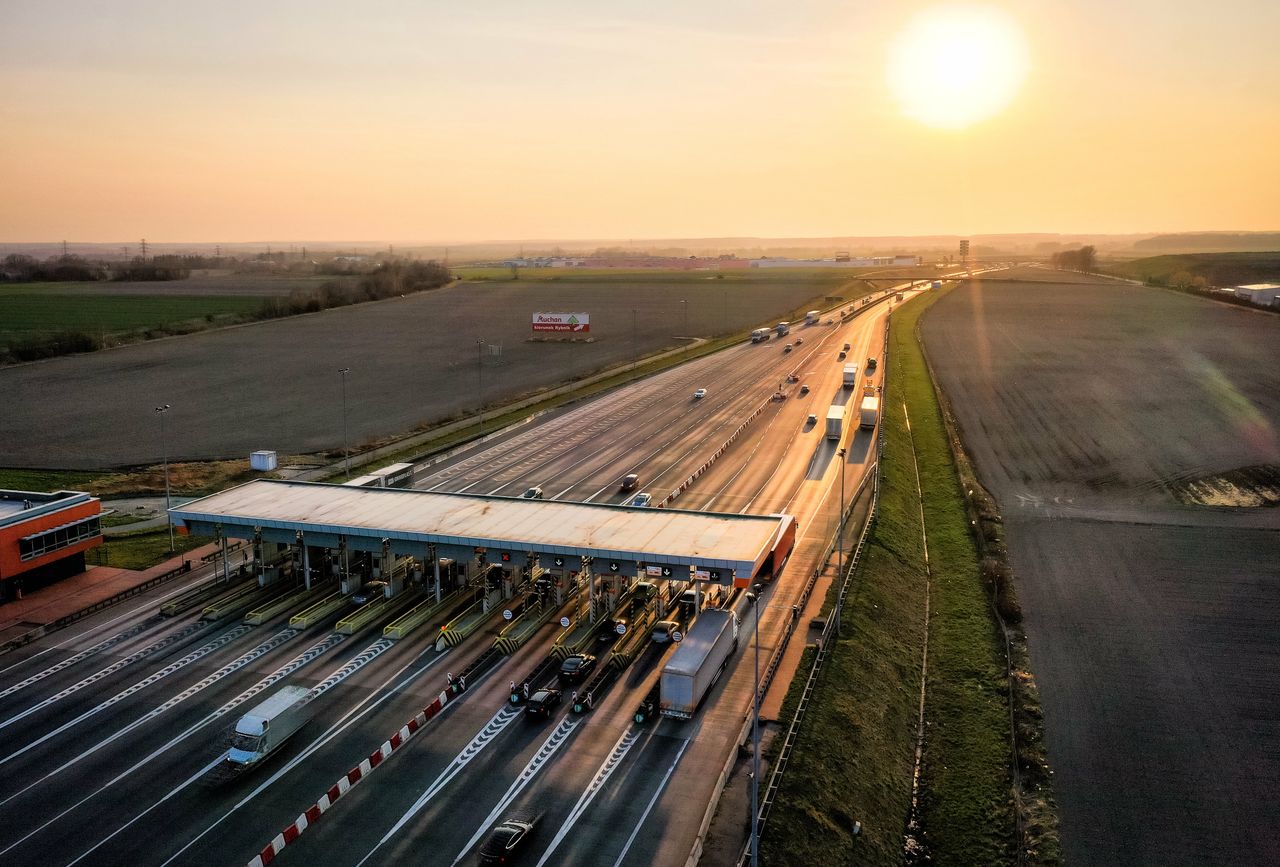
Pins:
<point x="435" y="121"/>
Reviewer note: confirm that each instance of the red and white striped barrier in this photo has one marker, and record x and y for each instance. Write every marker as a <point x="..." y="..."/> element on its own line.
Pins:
<point x="313" y="813"/>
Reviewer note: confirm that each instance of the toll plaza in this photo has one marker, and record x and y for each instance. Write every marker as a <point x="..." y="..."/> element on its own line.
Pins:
<point x="436" y="543"/>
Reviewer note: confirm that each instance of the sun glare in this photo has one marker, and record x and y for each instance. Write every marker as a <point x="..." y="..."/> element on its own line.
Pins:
<point x="955" y="65"/>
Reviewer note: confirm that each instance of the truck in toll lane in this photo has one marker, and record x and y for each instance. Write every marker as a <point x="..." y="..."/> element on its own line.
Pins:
<point x="850" y="376"/>
<point x="265" y="728"/>
<point x="812" y="317"/>
<point x="936" y="284"/>
<point x="870" y="409"/>
<point x="697" y="662"/>
<point x="835" y="422"/>
<point x="760" y="335"/>
<point x="783" y="329"/>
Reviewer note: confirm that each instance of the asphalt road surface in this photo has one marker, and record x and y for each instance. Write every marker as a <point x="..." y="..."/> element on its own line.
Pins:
<point x="1152" y="625"/>
<point x="109" y="726"/>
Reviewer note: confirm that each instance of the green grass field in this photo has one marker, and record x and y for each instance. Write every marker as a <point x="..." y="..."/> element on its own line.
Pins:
<point x="855" y="754"/>
<point x="141" y="550"/>
<point x="1218" y="269"/>
<point x="29" y="314"/>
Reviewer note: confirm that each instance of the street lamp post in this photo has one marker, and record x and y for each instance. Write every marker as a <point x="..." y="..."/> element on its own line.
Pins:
<point x="686" y="317"/>
<point x="164" y="450"/>
<point x="755" y="749"/>
<point x="635" y="349"/>
<point x="480" y="377"/>
<point x="346" y="443"/>
<point x="840" y="545"/>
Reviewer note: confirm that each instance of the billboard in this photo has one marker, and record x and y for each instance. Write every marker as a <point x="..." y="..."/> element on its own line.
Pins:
<point x="578" y="322"/>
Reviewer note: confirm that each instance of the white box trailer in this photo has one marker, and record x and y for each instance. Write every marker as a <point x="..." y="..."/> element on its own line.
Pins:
<point x="699" y="660"/>
<point x="869" y="412"/>
<point x="812" y="317"/>
<point x="850" y="375"/>
<point x="835" y="422"/>
<point x="760" y="335"/>
<point x="263" y="730"/>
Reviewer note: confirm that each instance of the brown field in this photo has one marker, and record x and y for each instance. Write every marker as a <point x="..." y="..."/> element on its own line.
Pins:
<point x="413" y="360"/>
<point x="1152" y="624"/>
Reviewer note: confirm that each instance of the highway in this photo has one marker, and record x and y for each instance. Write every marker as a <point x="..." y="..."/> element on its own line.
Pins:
<point x="109" y="727"/>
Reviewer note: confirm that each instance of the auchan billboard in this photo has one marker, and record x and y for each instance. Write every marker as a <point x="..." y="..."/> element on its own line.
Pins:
<point x="580" y="322"/>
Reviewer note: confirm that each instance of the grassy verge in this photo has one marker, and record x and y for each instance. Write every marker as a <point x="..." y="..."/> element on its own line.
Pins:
<point x="141" y="550"/>
<point x="855" y="754"/>
<point x="187" y="478"/>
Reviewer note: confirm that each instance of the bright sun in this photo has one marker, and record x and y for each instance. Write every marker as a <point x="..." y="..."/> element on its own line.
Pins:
<point x="955" y="65"/>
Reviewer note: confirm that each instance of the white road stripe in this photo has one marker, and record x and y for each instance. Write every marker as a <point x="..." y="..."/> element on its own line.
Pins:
<point x="647" y="810"/>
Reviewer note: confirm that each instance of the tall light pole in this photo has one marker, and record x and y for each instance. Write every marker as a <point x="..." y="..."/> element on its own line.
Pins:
<point x="755" y="750"/>
<point x="480" y="377"/>
<point x="686" y="317"/>
<point x="346" y="443"/>
<point x="164" y="451"/>
<point x="840" y="544"/>
<point x="635" y="349"/>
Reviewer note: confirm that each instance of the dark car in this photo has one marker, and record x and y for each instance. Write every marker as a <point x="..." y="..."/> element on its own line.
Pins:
<point x="871" y="364"/>
<point x="507" y="840"/>
<point x="577" y="667"/>
<point x="368" y="592"/>
<point x="630" y="482"/>
<point x="542" y="703"/>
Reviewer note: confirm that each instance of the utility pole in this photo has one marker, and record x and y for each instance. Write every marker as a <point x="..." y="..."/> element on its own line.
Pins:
<point x="64" y="248"/>
<point x="346" y="443"/>
<point x="840" y="545"/>
<point x="164" y="450"/>
<point x="144" y="249"/>
<point x="480" y="378"/>
<point x="686" y="317"/>
<point x="755" y="750"/>
<point x="635" y="347"/>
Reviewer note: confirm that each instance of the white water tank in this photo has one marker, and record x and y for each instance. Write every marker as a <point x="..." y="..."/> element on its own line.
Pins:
<point x="263" y="461"/>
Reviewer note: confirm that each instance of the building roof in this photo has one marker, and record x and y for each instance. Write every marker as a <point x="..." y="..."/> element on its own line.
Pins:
<point x="19" y="506"/>
<point x="652" y="536"/>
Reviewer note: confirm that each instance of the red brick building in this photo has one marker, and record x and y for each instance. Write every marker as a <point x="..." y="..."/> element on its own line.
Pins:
<point x="43" y="537"/>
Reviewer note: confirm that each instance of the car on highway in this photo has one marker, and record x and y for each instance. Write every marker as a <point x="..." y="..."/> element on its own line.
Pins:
<point x="369" y="591"/>
<point x="700" y="394"/>
<point x="804" y="389"/>
<point x="787" y="348"/>
<point x="799" y="340"/>
<point x="577" y="667"/>
<point x="542" y="703"/>
<point x="662" y="631"/>
<point x="534" y="493"/>
<point x="871" y="364"/>
<point x="842" y="355"/>
<point x="846" y="347"/>
<point x="508" y="839"/>
<point x="643" y="499"/>
<point x="630" y="482"/>
<point x="812" y="419"/>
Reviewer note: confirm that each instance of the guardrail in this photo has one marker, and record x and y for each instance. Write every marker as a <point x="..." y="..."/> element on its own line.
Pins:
<point x="68" y="619"/>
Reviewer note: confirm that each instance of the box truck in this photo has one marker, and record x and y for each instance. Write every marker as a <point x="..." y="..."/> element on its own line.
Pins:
<point x="760" y="335"/>
<point x="263" y="730"/>
<point x="869" y="412"/>
<point x="835" y="422"/>
<point x="850" y="375"/>
<point x="812" y="317"/>
<point x="697" y="663"/>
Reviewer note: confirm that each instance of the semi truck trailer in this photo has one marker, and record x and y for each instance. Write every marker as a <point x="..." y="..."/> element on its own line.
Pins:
<point x="697" y="663"/>
<point x="812" y="317"/>
<point x="760" y="335"/>
<point x="835" y="422"/>
<point x="850" y="374"/>
<point x="869" y="412"/>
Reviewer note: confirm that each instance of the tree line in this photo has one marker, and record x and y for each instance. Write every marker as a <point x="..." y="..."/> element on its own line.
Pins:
<point x="1084" y="259"/>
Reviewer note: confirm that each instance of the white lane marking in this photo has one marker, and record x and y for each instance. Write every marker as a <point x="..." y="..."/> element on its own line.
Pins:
<point x="492" y="729"/>
<point x="647" y="810"/>
<point x="359" y="661"/>
<point x="72" y="660"/>
<point x="197" y="775"/>
<point x="549" y="748"/>
<point x="308" y="655"/>
<point x="353" y="715"/>
<point x="285" y="670"/>
<point x="101" y="626"/>
<point x="106" y="672"/>
<point x="603" y="773"/>
<point x="216" y="644"/>
<point x="230" y="667"/>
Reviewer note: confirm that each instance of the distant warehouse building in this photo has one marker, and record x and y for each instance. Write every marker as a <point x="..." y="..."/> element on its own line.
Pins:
<point x="43" y="537"/>
<point x="1262" y="294"/>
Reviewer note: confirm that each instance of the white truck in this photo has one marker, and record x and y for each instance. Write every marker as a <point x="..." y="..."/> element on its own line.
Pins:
<point x="263" y="730"/>
<point x="869" y="411"/>
<point x="697" y="663"/>
<point x="850" y="375"/>
<point x="760" y="335"/>
<point x="783" y="328"/>
<point x="936" y="284"/>
<point x="812" y="317"/>
<point x="835" y="422"/>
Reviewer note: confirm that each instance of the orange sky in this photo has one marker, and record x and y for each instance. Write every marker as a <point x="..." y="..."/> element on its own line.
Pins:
<point x="449" y="122"/>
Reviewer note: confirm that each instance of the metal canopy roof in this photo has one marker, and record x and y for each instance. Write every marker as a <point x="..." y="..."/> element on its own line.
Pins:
<point x="652" y="536"/>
